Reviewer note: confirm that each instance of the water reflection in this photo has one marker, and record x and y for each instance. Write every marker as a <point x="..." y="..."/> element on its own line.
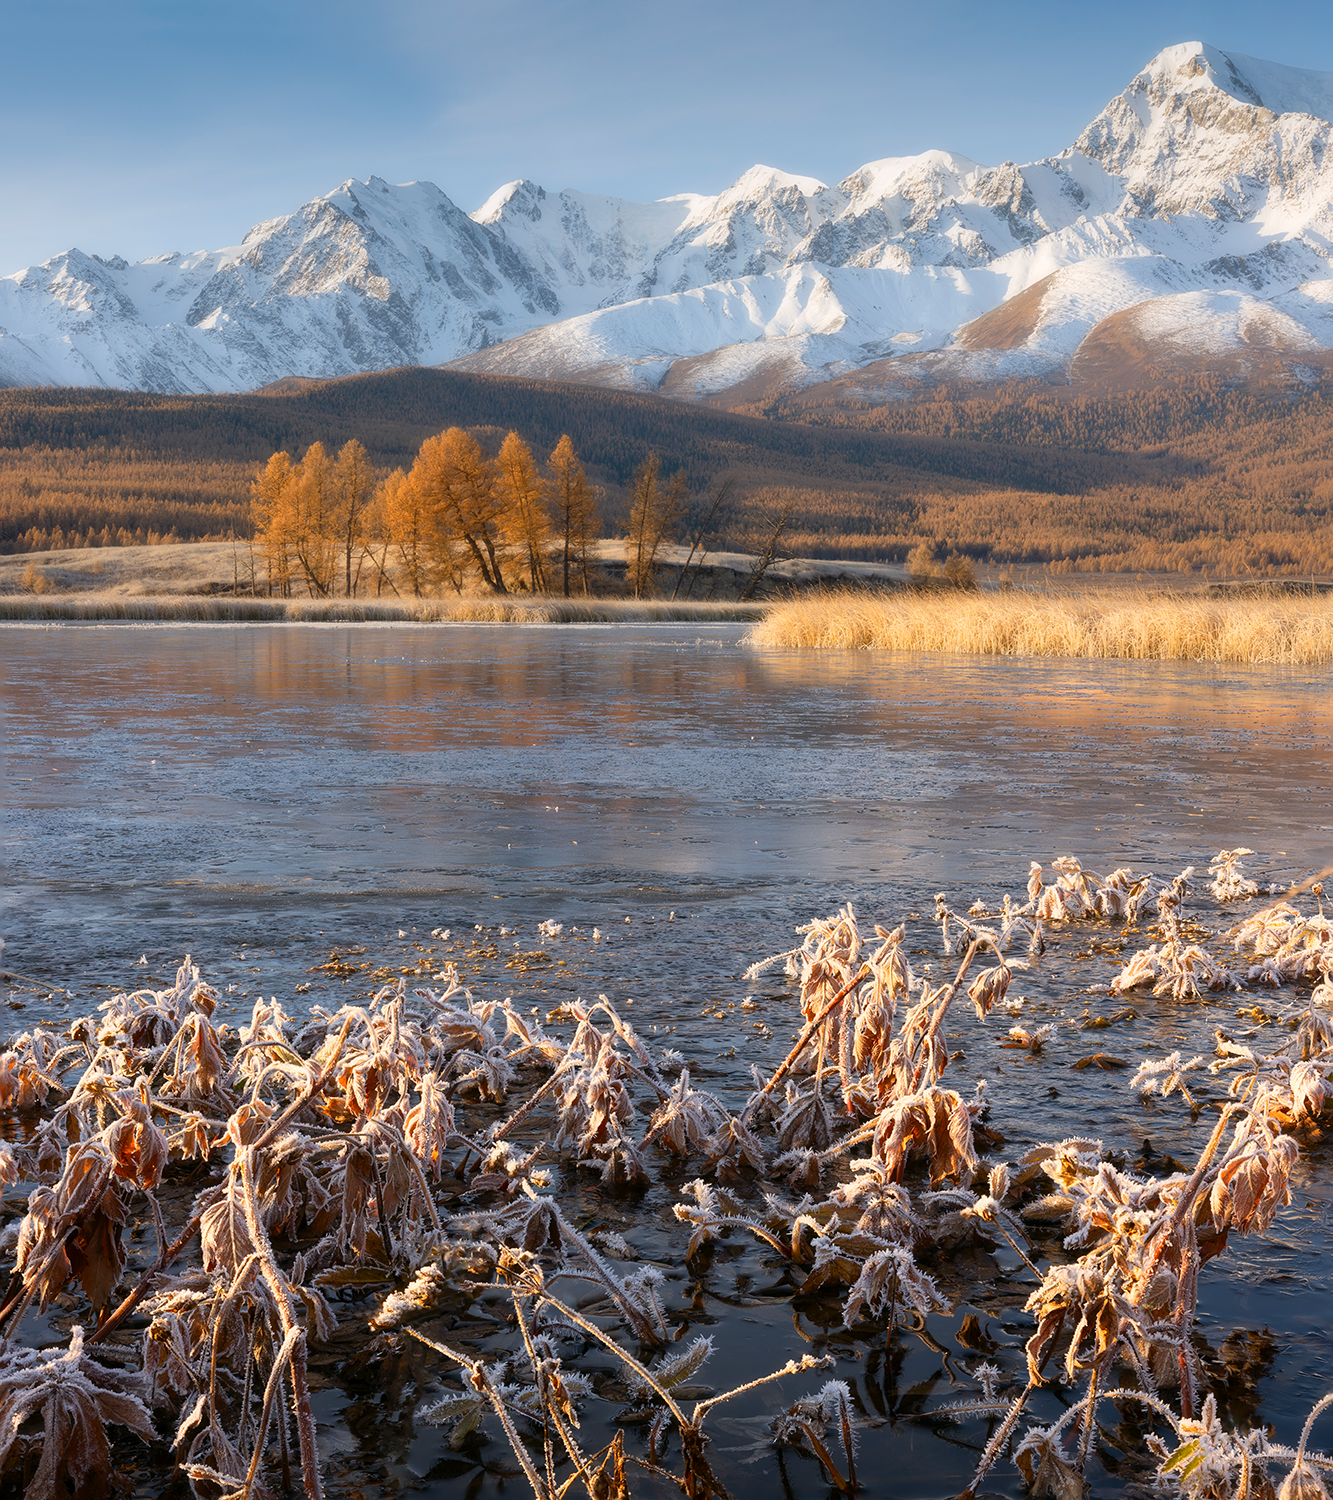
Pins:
<point x="257" y="773"/>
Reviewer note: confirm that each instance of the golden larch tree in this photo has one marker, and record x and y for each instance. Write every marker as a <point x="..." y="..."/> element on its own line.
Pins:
<point x="268" y="517"/>
<point x="350" y="484"/>
<point x="574" y="507"/>
<point x="654" y="509"/>
<point x="376" y="538"/>
<point x="458" y="481"/>
<point x="521" y="492"/>
<point x="310" y="517"/>
<point x="406" y="518"/>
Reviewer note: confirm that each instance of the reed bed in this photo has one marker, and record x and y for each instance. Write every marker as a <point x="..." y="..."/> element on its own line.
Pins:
<point x="392" y="1169"/>
<point x="225" y="610"/>
<point x="1148" y="627"/>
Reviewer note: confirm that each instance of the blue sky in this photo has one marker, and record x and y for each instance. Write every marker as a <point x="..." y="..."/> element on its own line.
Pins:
<point x="146" y="126"/>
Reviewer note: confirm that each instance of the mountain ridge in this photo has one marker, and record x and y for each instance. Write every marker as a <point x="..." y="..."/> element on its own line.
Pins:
<point x="1204" y="189"/>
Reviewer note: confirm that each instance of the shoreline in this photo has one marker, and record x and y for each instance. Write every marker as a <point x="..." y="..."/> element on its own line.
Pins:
<point x="819" y="606"/>
<point x="173" y="580"/>
<point x="1251" y="630"/>
<point x="214" y="610"/>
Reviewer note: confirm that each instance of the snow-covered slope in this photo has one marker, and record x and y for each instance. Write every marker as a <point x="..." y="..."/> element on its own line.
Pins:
<point x="369" y="277"/>
<point x="1207" y="175"/>
<point x="1192" y="219"/>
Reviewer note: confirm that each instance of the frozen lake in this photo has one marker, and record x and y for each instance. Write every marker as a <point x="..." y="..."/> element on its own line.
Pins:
<point x="256" y="795"/>
<point x="200" y="786"/>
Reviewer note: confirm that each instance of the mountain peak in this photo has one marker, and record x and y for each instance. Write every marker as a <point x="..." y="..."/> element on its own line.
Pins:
<point x="1248" y="80"/>
<point x="1195" y="65"/>
<point x="760" y="180"/>
<point x="889" y="175"/>
<point x="519" y="196"/>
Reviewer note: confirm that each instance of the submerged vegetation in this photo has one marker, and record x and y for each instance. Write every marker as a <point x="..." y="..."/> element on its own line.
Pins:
<point x="390" y="1173"/>
<point x="1282" y="630"/>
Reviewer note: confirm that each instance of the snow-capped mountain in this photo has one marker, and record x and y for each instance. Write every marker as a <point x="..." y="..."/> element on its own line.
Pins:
<point x="1193" y="218"/>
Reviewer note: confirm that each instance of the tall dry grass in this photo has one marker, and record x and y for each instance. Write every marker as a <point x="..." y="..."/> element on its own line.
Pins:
<point x="1151" y="627"/>
<point x="342" y="611"/>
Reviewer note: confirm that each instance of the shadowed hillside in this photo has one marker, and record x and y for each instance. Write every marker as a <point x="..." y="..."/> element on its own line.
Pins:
<point x="392" y="412"/>
<point x="1188" y="477"/>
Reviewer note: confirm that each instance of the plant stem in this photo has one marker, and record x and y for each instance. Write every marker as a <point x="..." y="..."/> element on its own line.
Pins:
<point x="801" y="1041"/>
<point x="277" y="1285"/>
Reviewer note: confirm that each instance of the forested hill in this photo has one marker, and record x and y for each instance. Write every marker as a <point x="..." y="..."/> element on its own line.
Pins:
<point x="613" y="431"/>
<point x="1199" y="475"/>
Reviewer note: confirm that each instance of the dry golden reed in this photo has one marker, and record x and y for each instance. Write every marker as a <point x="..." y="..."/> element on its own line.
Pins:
<point x="1295" y="630"/>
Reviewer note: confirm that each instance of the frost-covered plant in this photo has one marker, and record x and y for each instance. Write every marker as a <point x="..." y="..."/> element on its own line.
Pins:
<point x="1228" y="871"/>
<point x="334" y="1143"/>
<point x="1166" y="1076"/>
<point x="1287" y="944"/>
<point x="807" y="1423"/>
<point x="1077" y="893"/>
<point x="1030" y="1041"/>
<point x="1174" y="967"/>
<point x="77" y="1398"/>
